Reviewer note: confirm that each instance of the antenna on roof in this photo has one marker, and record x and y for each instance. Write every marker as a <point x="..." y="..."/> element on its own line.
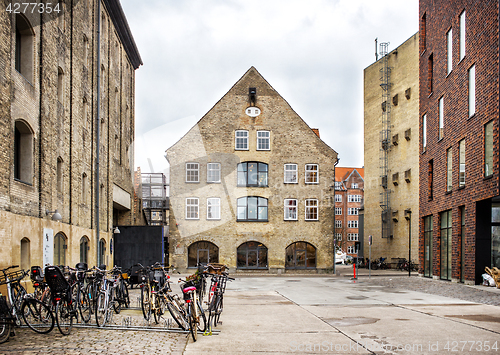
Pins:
<point x="376" y="46"/>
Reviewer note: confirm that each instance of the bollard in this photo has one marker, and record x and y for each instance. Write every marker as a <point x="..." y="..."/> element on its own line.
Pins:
<point x="354" y="268"/>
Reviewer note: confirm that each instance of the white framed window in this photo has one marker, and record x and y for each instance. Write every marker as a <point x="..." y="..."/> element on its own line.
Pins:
<point x="291" y="174"/>
<point x="290" y="209"/>
<point x="441" y="118"/>
<point x="352" y="211"/>
<point x="449" y="169"/>
<point x="424" y="132"/>
<point x="311" y="210"/>
<point x="352" y="237"/>
<point x="213" y="172"/>
<point x="354" y="198"/>
<point x="351" y="249"/>
<point x="461" y="153"/>
<point x="192" y="172"/>
<point x="263" y="140"/>
<point x="241" y="140"/>
<point x="462" y="35"/>
<point x="352" y="224"/>
<point x="449" y="46"/>
<point x="472" y="90"/>
<point x="192" y="208"/>
<point x="338" y="223"/>
<point x="338" y="198"/>
<point x="354" y="185"/>
<point x="338" y="211"/>
<point x="338" y="236"/>
<point x="338" y="185"/>
<point x="213" y="208"/>
<point x="312" y="173"/>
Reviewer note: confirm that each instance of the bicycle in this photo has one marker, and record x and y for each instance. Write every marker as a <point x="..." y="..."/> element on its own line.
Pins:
<point x="195" y="315"/>
<point x="216" y="294"/>
<point x="83" y="298"/>
<point x="122" y="296"/>
<point x="106" y="301"/>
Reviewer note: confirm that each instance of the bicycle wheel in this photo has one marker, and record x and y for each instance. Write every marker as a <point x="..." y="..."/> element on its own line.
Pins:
<point x="116" y="298"/>
<point x="64" y="316"/>
<point x="84" y="304"/>
<point x="145" y="304"/>
<point x="5" y="327"/>
<point x="37" y="316"/>
<point x="178" y="314"/>
<point x="126" y="298"/>
<point x="100" y="310"/>
<point x="202" y="321"/>
<point x="157" y="311"/>
<point x="193" y="323"/>
<point x="218" y="309"/>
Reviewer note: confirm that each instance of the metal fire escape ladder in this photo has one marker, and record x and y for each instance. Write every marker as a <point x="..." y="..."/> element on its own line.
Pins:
<point x="385" y="141"/>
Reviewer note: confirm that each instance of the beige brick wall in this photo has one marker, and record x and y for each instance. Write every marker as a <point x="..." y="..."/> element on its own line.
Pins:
<point x="404" y="75"/>
<point x="212" y="139"/>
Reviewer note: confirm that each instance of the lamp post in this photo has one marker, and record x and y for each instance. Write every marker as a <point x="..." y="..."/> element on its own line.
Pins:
<point x="408" y="218"/>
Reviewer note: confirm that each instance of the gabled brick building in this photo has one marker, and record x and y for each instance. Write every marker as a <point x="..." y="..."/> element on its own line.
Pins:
<point x="459" y="144"/>
<point x="250" y="186"/>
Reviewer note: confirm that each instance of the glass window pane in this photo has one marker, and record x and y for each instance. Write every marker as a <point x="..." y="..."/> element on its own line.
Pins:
<point x="241" y="258"/>
<point x="252" y="258"/>
<point x="300" y="260"/>
<point x="263" y="257"/>
<point x="488" y="149"/>
<point x="252" y="208"/>
<point x="263" y="213"/>
<point x="252" y="174"/>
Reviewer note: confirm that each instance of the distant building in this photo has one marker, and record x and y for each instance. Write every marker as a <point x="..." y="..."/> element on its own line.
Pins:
<point x="459" y="162"/>
<point x="48" y="139"/>
<point x="391" y="101"/>
<point x="349" y="198"/>
<point x="251" y="186"/>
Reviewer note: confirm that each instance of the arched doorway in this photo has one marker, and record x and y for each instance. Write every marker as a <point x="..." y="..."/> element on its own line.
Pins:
<point x="202" y="252"/>
<point x="300" y="255"/>
<point x="252" y="255"/>
<point x="60" y="247"/>
<point x="84" y="250"/>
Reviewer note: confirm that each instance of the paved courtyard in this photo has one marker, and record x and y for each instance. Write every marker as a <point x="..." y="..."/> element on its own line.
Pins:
<point x="391" y="314"/>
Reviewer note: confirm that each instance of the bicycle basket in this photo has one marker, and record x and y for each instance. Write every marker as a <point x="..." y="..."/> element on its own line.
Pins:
<point x="217" y="269"/>
<point x="12" y="276"/>
<point x="4" y="308"/>
<point x="56" y="280"/>
<point x="36" y="274"/>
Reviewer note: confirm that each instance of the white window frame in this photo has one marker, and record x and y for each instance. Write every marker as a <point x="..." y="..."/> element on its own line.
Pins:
<point x="263" y="140"/>
<point x="424" y="132"/>
<point x="352" y="211"/>
<point x="352" y="237"/>
<point x="213" y="203"/>
<point x="351" y="249"/>
<point x="472" y="90"/>
<point x="461" y="157"/>
<point x="338" y="211"/>
<point x="311" y="205"/>
<point x="288" y="209"/>
<point x="242" y="136"/>
<point x="441" y="118"/>
<point x="288" y="177"/>
<point x="211" y="168"/>
<point x="352" y="224"/>
<point x="338" y="237"/>
<point x="462" y="35"/>
<point x="192" y="208"/>
<point x="338" y="198"/>
<point x="354" y="185"/>
<point x="192" y="169"/>
<point x="353" y="198"/>
<point x="449" y="51"/>
<point x="338" y="185"/>
<point x="338" y="223"/>
<point x="310" y="173"/>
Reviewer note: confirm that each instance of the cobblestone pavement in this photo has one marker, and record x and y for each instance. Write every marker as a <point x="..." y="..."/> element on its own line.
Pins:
<point x="93" y="340"/>
<point x="477" y="294"/>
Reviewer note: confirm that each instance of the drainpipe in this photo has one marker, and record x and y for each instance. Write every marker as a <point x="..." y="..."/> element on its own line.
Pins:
<point x="334" y="229"/>
<point x="98" y="130"/>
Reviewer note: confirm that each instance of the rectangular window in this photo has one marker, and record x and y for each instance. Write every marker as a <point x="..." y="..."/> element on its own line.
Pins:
<point x="192" y="172"/>
<point x="449" y="46"/>
<point x="430" y="179"/>
<point x="338" y="211"/>
<point x="338" y="236"/>
<point x="213" y="208"/>
<point x="213" y="172"/>
<point x="352" y="211"/>
<point x="252" y="174"/>
<point x="428" y="246"/>
<point x="352" y="224"/>
<point x="353" y="198"/>
<point x="424" y="132"/>
<point x="290" y="209"/>
<point x="354" y="185"/>
<point x="430" y="74"/>
<point x="462" y="35"/>
<point x="446" y="221"/>
<point x="351" y="249"/>
<point x="461" y="174"/>
<point x="472" y="91"/>
<point x="441" y="118"/>
<point x="423" y="28"/>
<point x="291" y="174"/>
<point x="338" y="223"/>
<point x="488" y="149"/>
<point x="263" y="140"/>
<point x="311" y="173"/>
<point x="449" y="169"/>
<point x="338" y="185"/>
<point x="338" y="198"/>
<point x="192" y="208"/>
<point x="252" y="209"/>
<point x="241" y="140"/>
<point x="352" y="237"/>
<point x="311" y="210"/>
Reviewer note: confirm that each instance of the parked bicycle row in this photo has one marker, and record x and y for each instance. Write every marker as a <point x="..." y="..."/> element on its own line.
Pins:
<point x="64" y="295"/>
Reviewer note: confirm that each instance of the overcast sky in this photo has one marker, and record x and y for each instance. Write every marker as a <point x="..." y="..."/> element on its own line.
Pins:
<point x="312" y="52"/>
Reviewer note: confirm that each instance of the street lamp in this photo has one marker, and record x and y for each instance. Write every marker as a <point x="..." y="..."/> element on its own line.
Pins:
<point x="408" y="218"/>
<point x="56" y="215"/>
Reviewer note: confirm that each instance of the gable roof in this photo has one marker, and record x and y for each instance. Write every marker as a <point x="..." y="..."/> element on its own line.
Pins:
<point x="344" y="173"/>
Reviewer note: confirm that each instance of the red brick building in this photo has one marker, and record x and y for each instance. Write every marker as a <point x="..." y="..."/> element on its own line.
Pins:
<point x="459" y="117"/>
<point x="349" y="194"/>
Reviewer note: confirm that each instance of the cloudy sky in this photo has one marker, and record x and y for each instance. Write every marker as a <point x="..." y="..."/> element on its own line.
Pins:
<point x="312" y="52"/>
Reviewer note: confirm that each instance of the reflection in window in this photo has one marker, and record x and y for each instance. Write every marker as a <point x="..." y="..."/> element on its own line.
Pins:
<point x="213" y="208"/>
<point x="428" y="246"/>
<point x="202" y="252"/>
<point x="252" y="209"/>
<point x="252" y="174"/>
<point x="445" y="245"/>
<point x="213" y="172"/>
<point x="311" y="210"/>
<point x="290" y="209"/>
<point x="488" y="149"/>
<point x="300" y="255"/>
<point x="252" y="255"/>
<point x="291" y="174"/>
<point x="311" y="173"/>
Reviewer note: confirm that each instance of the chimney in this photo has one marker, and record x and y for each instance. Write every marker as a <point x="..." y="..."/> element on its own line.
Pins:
<point x="316" y="130"/>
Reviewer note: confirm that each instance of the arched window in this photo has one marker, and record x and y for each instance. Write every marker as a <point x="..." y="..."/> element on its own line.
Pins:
<point x="252" y="174"/>
<point x="252" y="209"/>
<point x="202" y="252"/>
<point x="60" y="248"/>
<point x="24" y="47"/>
<point x="60" y="85"/>
<point x="102" y="252"/>
<point x="252" y="255"/>
<point x="25" y="254"/>
<point x="23" y="152"/>
<point x="300" y="255"/>
<point x="84" y="250"/>
<point x="59" y="175"/>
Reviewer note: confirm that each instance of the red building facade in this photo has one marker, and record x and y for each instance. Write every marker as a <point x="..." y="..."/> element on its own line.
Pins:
<point x="459" y="116"/>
